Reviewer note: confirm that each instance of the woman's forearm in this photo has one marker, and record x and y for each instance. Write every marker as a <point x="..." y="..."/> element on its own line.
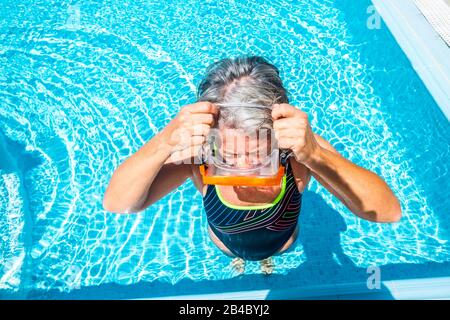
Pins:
<point x="361" y="190"/>
<point x="160" y="161"/>
<point x="131" y="181"/>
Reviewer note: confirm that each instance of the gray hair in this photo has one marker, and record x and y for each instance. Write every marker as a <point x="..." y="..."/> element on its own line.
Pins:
<point x="243" y="81"/>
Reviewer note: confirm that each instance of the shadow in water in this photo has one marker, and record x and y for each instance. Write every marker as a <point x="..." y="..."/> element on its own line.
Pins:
<point x="17" y="161"/>
<point x="326" y="264"/>
<point x="15" y="157"/>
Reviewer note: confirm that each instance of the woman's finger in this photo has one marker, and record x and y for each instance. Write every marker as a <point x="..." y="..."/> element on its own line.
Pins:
<point x="200" y="130"/>
<point x="198" y="118"/>
<point x="202" y="107"/>
<point x="291" y="123"/>
<point x="197" y="140"/>
<point x="282" y="111"/>
<point x="286" y="143"/>
<point x="288" y="133"/>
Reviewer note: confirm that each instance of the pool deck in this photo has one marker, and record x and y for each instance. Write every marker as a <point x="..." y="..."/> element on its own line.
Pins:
<point x="438" y="15"/>
<point x="427" y="51"/>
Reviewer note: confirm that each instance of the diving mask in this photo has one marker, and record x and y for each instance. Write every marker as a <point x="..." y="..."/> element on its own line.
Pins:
<point x="236" y="157"/>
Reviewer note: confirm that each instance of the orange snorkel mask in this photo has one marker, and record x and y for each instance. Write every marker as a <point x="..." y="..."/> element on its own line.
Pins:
<point x="242" y="158"/>
<point x="209" y="177"/>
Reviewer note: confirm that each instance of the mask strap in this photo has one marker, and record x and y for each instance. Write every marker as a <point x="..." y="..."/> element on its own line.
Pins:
<point x="285" y="154"/>
<point x="204" y="153"/>
<point x="242" y="104"/>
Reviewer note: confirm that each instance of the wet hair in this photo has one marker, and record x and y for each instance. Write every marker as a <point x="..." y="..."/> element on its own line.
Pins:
<point x="239" y="81"/>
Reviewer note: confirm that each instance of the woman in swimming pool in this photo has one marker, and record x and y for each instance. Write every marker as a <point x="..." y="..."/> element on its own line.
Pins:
<point x="248" y="222"/>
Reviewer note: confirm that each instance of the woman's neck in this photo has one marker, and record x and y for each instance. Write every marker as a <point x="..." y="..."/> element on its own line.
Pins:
<point x="249" y="196"/>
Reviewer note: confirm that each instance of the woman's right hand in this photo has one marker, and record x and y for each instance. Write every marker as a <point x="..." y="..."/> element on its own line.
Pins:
<point x="187" y="132"/>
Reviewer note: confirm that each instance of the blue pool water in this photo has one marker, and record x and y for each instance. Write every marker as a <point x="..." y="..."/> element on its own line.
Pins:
<point x="84" y="84"/>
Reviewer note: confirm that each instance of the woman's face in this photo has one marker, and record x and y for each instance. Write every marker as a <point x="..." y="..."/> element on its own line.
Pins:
<point x="242" y="150"/>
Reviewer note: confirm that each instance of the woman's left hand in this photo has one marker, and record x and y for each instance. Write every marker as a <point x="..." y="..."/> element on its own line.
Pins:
<point x="293" y="131"/>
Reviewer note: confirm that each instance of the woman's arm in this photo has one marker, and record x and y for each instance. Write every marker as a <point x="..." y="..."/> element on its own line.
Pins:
<point x="159" y="167"/>
<point x="361" y="190"/>
<point x="130" y="188"/>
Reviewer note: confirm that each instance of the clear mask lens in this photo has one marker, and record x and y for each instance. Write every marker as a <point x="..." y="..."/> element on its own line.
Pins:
<point x="234" y="152"/>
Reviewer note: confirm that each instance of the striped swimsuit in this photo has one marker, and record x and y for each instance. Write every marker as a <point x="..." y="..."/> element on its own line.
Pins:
<point x="256" y="232"/>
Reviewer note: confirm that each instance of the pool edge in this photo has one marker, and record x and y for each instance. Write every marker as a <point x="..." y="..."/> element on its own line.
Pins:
<point x="426" y="50"/>
<point x="422" y="288"/>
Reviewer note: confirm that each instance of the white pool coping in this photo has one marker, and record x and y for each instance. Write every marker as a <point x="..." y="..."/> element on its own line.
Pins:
<point x="437" y="13"/>
<point x="426" y="50"/>
<point x="409" y="289"/>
